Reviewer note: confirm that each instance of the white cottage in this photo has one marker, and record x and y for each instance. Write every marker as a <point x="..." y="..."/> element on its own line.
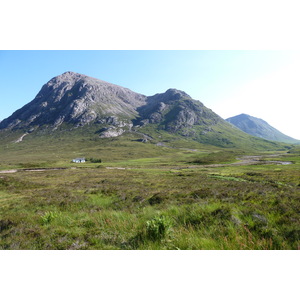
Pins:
<point x="79" y="160"/>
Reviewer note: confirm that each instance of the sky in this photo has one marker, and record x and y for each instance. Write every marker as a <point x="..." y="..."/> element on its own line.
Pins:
<point x="264" y="84"/>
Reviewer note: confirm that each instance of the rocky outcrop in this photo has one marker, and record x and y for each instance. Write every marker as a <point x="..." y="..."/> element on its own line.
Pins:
<point x="20" y="139"/>
<point x="175" y="110"/>
<point x="111" y="132"/>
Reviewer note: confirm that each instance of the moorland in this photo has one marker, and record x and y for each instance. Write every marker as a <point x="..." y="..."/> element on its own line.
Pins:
<point x="175" y="194"/>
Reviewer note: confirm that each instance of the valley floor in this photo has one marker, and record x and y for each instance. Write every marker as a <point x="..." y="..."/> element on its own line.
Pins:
<point x="168" y="202"/>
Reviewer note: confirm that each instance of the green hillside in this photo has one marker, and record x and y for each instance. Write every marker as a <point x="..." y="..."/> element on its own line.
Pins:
<point x="45" y="147"/>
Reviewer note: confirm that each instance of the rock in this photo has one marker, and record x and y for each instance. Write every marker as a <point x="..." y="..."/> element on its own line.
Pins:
<point x="111" y="132"/>
<point x="175" y="110"/>
<point x="260" y="218"/>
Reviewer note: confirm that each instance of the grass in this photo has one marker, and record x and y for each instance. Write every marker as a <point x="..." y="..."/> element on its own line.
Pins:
<point x="217" y="157"/>
<point x="160" y="199"/>
<point x="112" y="209"/>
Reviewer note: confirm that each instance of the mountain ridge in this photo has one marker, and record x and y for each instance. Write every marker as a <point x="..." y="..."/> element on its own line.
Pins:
<point x="259" y="128"/>
<point x="74" y="98"/>
<point x="78" y="100"/>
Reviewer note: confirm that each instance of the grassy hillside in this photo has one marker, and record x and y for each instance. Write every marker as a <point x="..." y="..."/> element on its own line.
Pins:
<point x="57" y="148"/>
<point x="221" y="135"/>
<point x="60" y="147"/>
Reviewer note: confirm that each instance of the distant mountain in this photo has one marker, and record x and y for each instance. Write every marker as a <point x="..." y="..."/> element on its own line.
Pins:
<point x="73" y="100"/>
<point x="260" y="128"/>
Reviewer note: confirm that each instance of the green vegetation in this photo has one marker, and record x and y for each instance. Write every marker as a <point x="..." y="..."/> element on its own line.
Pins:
<point x="94" y="160"/>
<point x="142" y="196"/>
<point x="158" y="227"/>
<point x="216" y="157"/>
<point x="48" y="217"/>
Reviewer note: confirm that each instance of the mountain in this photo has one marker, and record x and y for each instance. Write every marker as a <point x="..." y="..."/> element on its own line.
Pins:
<point x="260" y="128"/>
<point x="78" y="100"/>
<point x="73" y="100"/>
<point x="175" y="110"/>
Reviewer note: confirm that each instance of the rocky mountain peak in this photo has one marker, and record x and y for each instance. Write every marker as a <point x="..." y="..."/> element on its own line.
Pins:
<point x="70" y="74"/>
<point x="175" y="110"/>
<point x="77" y="99"/>
<point x="67" y="79"/>
<point x="169" y="95"/>
<point x="177" y="94"/>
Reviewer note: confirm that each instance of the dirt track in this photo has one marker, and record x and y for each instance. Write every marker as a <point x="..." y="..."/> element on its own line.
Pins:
<point x="31" y="170"/>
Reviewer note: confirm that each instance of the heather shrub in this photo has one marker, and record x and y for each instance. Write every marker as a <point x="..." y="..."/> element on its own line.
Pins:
<point x="158" y="227"/>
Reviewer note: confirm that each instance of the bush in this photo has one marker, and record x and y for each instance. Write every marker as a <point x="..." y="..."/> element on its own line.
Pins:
<point x="48" y="217"/>
<point x="158" y="227"/>
<point x="95" y="160"/>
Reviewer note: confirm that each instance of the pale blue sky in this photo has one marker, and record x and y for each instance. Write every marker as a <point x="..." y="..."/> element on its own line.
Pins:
<point x="261" y="83"/>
